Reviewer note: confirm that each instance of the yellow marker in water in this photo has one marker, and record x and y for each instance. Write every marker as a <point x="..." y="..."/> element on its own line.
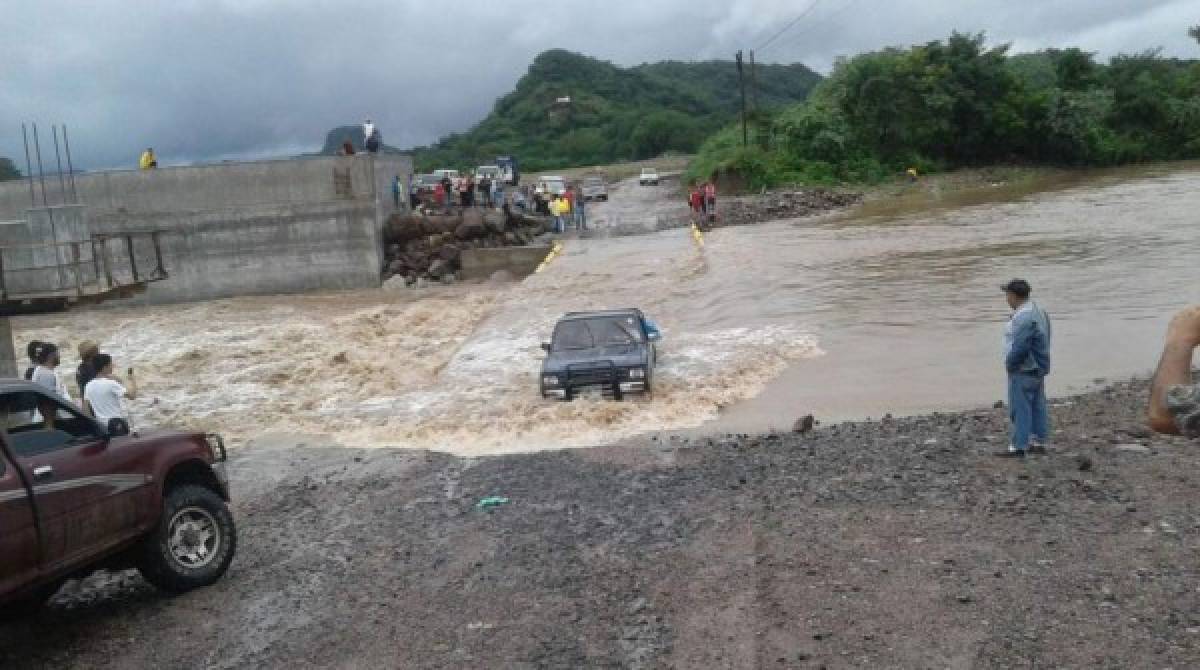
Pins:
<point x="555" y="250"/>
<point x="698" y="236"/>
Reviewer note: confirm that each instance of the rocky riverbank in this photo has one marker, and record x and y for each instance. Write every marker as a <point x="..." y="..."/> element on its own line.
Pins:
<point x="776" y="205"/>
<point x="429" y="246"/>
<point x="893" y="543"/>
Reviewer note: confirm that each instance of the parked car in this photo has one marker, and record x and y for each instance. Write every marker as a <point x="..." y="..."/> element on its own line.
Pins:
<point x="594" y="188"/>
<point x="444" y="172"/>
<point x="611" y="351"/>
<point x="549" y="185"/>
<point x="426" y="184"/>
<point x="488" y="172"/>
<point x="76" y="496"/>
<point x="649" y="177"/>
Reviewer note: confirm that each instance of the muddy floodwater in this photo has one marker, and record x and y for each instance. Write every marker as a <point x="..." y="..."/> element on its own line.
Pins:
<point x="894" y="307"/>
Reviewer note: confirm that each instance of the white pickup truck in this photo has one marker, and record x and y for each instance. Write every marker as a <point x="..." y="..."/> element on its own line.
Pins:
<point x="649" y="177"/>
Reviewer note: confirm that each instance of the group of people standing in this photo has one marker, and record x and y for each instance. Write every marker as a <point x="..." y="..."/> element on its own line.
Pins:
<point x="568" y="207"/>
<point x="468" y="192"/>
<point x="100" y="390"/>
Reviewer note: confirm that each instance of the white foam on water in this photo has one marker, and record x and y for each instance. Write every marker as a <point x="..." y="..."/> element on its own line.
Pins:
<point x="451" y="368"/>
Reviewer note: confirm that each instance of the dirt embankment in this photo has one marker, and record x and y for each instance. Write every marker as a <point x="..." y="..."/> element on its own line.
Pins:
<point x="900" y="543"/>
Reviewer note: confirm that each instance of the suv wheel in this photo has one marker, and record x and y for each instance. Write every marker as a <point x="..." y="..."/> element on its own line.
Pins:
<point x="193" y="543"/>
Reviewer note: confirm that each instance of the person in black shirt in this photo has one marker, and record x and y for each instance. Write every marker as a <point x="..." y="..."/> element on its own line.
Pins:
<point x="87" y="370"/>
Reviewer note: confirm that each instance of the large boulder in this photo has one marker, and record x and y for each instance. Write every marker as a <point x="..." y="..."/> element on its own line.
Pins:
<point x="495" y="222"/>
<point x="438" y="268"/>
<point x="401" y="228"/>
<point x="472" y="226"/>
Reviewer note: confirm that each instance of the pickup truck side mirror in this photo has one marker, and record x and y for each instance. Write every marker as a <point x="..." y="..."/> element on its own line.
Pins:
<point x="118" y="427"/>
<point x="546" y="347"/>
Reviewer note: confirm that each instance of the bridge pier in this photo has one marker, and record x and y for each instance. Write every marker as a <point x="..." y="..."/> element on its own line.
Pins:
<point x="8" y="353"/>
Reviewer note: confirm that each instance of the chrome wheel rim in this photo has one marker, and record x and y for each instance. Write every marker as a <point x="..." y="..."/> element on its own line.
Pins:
<point x="193" y="538"/>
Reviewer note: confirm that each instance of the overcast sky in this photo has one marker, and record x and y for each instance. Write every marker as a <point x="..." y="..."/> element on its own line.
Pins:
<point x="207" y="80"/>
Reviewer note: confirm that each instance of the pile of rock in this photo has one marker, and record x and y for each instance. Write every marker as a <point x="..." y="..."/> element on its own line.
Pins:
<point x="777" y="205"/>
<point x="429" y="246"/>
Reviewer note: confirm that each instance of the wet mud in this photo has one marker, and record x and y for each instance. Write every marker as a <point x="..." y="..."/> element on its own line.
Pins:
<point x="896" y="543"/>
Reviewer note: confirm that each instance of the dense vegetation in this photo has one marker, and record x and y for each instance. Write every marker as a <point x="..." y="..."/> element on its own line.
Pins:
<point x="614" y="113"/>
<point x="957" y="103"/>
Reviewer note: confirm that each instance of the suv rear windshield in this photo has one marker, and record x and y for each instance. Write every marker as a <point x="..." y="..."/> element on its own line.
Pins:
<point x="594" y="181"/>
<point x="599" y="332"/>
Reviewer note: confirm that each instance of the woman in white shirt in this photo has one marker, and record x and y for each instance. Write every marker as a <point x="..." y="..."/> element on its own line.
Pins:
<point x="102" y="396"/>
<point x="44" y="373"/>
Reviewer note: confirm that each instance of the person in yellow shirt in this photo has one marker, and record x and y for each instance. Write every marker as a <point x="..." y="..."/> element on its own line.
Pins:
<point x="559" y="208"/>
<point x="148" y="160"/>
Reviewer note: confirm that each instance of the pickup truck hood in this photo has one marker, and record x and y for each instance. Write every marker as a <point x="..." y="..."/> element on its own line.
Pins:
<point x="624" y="355"/>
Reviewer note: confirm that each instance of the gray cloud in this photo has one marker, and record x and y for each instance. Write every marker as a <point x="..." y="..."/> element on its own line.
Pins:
<point x="212" y="79"/>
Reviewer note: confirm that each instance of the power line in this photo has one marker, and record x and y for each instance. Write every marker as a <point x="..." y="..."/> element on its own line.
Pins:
<point x="824" y="20"/>
<point x="789" y="26"/>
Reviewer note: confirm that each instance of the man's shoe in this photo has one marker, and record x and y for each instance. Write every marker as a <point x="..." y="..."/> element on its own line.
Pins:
<point x="1039" y="449"/>
<point x="1011" y="453"/>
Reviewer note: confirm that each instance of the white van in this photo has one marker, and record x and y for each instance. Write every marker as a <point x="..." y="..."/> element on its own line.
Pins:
<point x="549" y="185"/>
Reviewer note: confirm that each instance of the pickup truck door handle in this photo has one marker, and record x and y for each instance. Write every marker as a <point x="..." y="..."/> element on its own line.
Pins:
<point x="43" y="472"/>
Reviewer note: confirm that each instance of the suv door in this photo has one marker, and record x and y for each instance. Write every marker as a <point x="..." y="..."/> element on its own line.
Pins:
<point x="89" y="495"/>
<point x="18" y="533"/>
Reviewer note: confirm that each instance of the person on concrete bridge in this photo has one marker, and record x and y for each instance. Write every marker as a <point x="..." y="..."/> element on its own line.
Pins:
<point x="148" y="161"/>
<point x="1027" y="360"/>
<point x="371" y="137"/>
<point x="1174" y="397"/>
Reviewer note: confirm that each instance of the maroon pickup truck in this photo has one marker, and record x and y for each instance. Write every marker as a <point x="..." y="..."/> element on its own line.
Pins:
<point x="76" y="496"/>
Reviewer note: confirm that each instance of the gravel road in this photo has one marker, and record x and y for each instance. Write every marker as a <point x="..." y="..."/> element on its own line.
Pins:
<point x="899" y="543"/>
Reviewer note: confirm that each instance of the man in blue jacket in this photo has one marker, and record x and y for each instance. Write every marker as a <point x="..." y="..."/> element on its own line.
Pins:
<point x="1027" y="360"/>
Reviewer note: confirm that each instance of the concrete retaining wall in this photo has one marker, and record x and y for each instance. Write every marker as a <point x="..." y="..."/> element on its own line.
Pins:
<point x="243" y="228"/>
<point x="517" y="261"/>
<point x="38" y="268"/>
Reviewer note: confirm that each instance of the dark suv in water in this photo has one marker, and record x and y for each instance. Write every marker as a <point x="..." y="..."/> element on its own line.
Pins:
<point x="610" y="351"/>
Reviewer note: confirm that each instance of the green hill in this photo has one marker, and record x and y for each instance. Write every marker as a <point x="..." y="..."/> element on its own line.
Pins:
<point x="613" y="113"/>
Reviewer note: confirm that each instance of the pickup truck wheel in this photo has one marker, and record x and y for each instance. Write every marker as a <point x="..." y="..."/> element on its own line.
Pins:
<point x="193" y="543"/>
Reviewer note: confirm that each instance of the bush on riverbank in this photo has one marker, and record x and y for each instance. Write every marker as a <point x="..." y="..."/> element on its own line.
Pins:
<point x="957" y="103"/>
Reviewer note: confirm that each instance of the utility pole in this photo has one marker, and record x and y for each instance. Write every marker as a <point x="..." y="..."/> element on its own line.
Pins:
<point x="742" y="85"/>
<point x="753" y="84"/>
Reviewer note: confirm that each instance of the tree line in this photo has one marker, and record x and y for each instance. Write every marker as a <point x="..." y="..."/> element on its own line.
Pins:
<point x="958" y="103"/>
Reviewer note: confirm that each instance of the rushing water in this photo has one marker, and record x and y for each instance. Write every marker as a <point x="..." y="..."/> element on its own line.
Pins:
<point x="893" y="308"/>
<point x="904" y="295"/>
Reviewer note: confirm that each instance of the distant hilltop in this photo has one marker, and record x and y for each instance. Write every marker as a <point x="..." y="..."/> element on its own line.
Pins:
<point x="570" y="109"/>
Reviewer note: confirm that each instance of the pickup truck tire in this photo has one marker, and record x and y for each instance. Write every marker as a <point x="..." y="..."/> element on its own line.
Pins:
<point x="193" y="543"/>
